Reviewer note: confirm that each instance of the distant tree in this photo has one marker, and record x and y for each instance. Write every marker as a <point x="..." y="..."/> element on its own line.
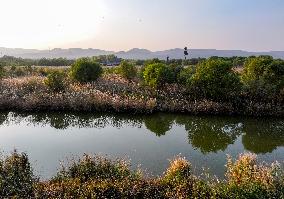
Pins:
<point x="55" y="62"/>
<point x="139" y="62"/>
<point x="153" y="61"/>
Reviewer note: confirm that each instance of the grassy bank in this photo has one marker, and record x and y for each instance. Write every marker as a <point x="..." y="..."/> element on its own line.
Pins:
<point x="114" y="93"/>
<point x="99" y="177"/>
<point x="212" y="86"/>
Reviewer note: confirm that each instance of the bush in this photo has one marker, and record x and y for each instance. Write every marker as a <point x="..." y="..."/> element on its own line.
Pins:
<point x="55" y="81"/>
<point x="127" y="70"/>
<point x="84" y="70"/>
<point x="179" y="170"/>
<point x="185" y="75"/>
<point x="157" y="74"/>
<point x="2" y="71"/>
<point x="16" y="177"/>
<point x="171" y="73"/>
<point x="263" y="76"/>
<point x="16" y="71"/>
<point x="214" y="79"/>
<point x="96" y="168"/>
<point x="154" y="74"/>
<point x="249" y="179"/>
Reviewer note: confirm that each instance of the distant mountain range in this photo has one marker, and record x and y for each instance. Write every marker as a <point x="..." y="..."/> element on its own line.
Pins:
<point x="134" y="53"/>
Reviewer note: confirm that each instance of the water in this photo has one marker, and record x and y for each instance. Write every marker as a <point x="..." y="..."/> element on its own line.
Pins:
<point x="149" y="141"/>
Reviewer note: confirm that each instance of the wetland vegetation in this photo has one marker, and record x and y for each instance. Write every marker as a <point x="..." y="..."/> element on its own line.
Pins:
<point x="99" y="177"/>
<point x="212" y="86"/>
<point x="77" y="98"/>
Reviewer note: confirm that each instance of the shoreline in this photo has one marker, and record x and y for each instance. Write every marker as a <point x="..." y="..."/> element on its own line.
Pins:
<point x="29" y="94"/>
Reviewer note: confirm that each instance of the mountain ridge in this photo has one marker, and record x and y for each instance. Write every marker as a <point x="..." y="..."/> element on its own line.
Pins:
<point x="135" y="53"/>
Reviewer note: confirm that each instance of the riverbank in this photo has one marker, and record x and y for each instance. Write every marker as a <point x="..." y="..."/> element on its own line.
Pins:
<point x="100" y="177"/>
<point x="112" y="93"/>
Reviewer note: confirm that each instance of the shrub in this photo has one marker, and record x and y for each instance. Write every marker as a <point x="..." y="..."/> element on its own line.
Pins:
<point x="16" y="71"/>
<point x="185" y="75"/>
<point x="263" y="76"/>
<point x="179" y="170"/>
<point x="96" y="168"/>
<point x="127" y="70"/>
<point x="171" y="73"/>
<point x="154" y="74"/>
<point x="249" y="179"/>
<point x="16" y="177"/>
<point x="84" y="70"/>
<point x="2" y="71"/>
<point x="55" y="81"/>
<point x="214" y="79"/>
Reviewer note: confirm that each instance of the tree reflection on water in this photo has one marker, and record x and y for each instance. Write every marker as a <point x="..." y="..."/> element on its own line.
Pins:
<point x="263" y="136"/>
<point x="207" y="134"/>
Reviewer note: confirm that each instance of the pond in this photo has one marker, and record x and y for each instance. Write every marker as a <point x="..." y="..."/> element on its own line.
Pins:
<point x="148" y="141"/>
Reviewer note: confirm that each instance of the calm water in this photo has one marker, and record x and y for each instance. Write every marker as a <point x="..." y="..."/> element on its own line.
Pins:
<point x="149" y="141"/>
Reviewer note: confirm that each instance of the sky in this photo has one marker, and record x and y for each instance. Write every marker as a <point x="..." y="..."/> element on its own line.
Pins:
<point x="253" y="25"/>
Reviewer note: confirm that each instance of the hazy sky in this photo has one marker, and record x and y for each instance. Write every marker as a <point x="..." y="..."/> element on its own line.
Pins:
<point x="256" y="25"/>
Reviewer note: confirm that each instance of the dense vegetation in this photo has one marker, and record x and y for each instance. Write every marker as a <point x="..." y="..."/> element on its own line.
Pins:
<point x="100" y="177"/>
<point x="248" y="86"/>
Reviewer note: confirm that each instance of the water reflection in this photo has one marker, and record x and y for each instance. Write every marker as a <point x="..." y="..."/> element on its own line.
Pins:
<point x="159" y="123"/>
<point x="263" y="136"/>
<point x="206" y="134"/>
<point x="211" y="134"/>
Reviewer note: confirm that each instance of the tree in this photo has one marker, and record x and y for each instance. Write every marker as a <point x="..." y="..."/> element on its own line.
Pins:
<point x="154" y="74"/>
<point x="127" y="70"/>
<point x="85" y="70"/>
<point x="263" y="76"/>
<point x="214" y="79"/>
<point x="185" y="75"/>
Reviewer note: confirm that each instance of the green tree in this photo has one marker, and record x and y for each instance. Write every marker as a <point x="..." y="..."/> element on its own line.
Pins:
<point x="185" y="75"/>
<point x="127" y="70"/>
<point x="214" y="79"/>
<point x="263" y="76"/>
<point x="85" y="70"/>
<point x="154" y="74"/>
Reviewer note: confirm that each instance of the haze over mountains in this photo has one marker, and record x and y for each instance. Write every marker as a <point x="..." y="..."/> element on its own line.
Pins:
<point x="134" y="53"/>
